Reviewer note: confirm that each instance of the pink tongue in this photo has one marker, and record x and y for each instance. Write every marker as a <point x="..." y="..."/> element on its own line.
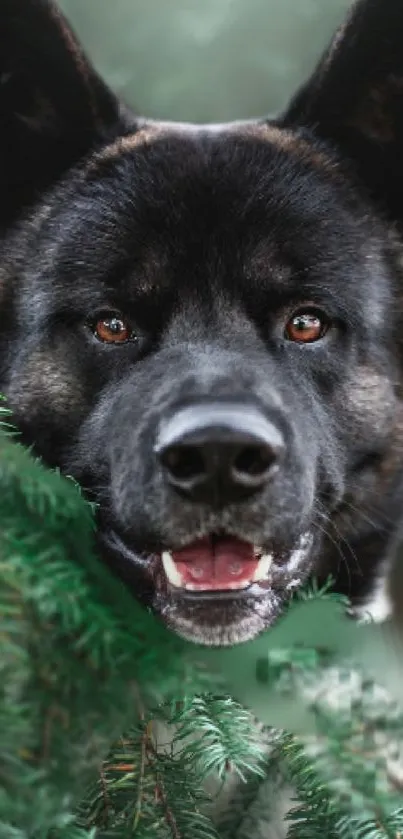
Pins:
<point x="228" y="564"/>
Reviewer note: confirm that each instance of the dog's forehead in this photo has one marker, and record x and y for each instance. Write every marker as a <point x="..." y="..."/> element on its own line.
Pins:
<point x="187" y="135"/>
<point x="167" y="181"/>
<point x="250" y="190"/>
<point x="173" y="207"/>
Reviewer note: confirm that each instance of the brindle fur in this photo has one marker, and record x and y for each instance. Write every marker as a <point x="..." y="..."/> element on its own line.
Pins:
<point x="207" y="237"/>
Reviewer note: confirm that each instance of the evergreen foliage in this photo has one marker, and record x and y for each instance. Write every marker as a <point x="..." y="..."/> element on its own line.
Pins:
<point x="111" y="727"/>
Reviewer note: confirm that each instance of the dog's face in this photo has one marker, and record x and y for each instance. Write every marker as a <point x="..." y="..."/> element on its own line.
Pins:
<point x="202" y="325"/>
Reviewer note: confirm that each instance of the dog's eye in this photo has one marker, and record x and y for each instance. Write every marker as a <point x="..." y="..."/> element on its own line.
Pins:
<point x="113" y="328"/>
<point x="306" y="326"/>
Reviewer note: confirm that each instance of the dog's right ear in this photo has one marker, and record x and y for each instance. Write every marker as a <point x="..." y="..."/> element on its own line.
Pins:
<point x="355" y="98"/>
<point x="53" y="106"/>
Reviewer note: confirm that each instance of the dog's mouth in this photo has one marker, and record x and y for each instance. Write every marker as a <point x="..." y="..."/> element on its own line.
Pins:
<point x="214" y="590"/>
<point x="202" y="578"/>
<point x="216" y="564"/>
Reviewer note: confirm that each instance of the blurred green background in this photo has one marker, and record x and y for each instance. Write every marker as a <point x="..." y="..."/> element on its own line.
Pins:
<point x="205" y="60"/>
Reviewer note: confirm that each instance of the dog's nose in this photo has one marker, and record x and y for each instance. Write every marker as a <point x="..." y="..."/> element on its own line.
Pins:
<point x="219" y="454"/>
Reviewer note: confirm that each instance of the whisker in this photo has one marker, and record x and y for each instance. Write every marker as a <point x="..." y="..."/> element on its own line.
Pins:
<point x="363" y="515"/>
<point x="342" y="557"/>
<point x="324" y="515"/>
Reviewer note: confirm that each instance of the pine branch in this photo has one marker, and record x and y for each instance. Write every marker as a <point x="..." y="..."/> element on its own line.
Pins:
<point x="253" y="803"/>
<point x="385" y="827"/>
<point x="341" y="776"/>
<point x="80" y="661"/>
<point x="155" y="788"/>
<point x="227" y="736"/>
<point x="147" y="792"/>
<point x="75" y="647"/>
<point x="70" y="831"/>
<point x="316" y="815"/>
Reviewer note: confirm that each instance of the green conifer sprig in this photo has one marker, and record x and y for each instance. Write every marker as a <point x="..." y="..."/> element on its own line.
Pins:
<point x="227" y="736"/>
<point x="156" y="783"/>
<point x="76" y="649"/>
<point x="252" y="805"/>
<point x="147" y="791"/>
<point x="81" y="661"/>
<point x="385" y="827"/>
<point x="317" y="814"/>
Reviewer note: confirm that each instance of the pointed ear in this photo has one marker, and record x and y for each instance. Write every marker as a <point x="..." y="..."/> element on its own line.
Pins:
<point x="355" y="97"/>
<point x="53" y="105"/>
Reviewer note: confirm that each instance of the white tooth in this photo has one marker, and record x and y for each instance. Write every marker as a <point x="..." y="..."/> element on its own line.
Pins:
<point x="263" y="567"/>
<point x="174" y="576"/>
<point x="228" y="587"/>
<point x="238" y="586"/>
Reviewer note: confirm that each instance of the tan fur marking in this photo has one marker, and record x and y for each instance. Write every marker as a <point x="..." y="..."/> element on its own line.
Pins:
<point x="142" y="137"/>
<point x="376" y="481"/>
<point x="288" y="141"/>
<point x="46" y="379"/>
<point x="374" y="409"/>
<point x="282" y="139"/>
<point x="369" y="397"/>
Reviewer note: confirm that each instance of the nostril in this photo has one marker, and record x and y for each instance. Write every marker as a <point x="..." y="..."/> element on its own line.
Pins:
<point x="218" y="454"/>
<point x="183" y="462"/>
<point x="254" y="461"/>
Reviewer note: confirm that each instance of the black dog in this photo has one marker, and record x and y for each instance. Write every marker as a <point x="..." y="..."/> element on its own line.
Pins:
<point x="204" y="324"/>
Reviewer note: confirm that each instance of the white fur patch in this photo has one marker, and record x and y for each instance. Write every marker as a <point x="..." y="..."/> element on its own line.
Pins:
<point x="299" y="554"/>
<point x="378" y="608"/>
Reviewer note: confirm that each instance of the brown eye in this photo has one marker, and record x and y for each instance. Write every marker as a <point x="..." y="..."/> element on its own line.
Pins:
<point x="306" y="326"/>
<point x="113" y="329"/>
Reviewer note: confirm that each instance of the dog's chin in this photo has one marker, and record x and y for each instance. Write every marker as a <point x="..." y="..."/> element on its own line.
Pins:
<point x="223" y="621"/>
<point x="215" y="591"/>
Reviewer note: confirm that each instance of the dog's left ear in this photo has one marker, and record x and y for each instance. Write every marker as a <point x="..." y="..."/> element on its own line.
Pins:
<point x="355" y="98"/>
<point x="53" y="105"/>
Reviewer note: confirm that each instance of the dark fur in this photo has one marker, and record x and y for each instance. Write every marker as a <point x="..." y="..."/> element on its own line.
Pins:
<point x="207" y="238"/>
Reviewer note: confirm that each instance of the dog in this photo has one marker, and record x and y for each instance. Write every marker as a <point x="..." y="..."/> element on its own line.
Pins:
<point x="203" y="324"/>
